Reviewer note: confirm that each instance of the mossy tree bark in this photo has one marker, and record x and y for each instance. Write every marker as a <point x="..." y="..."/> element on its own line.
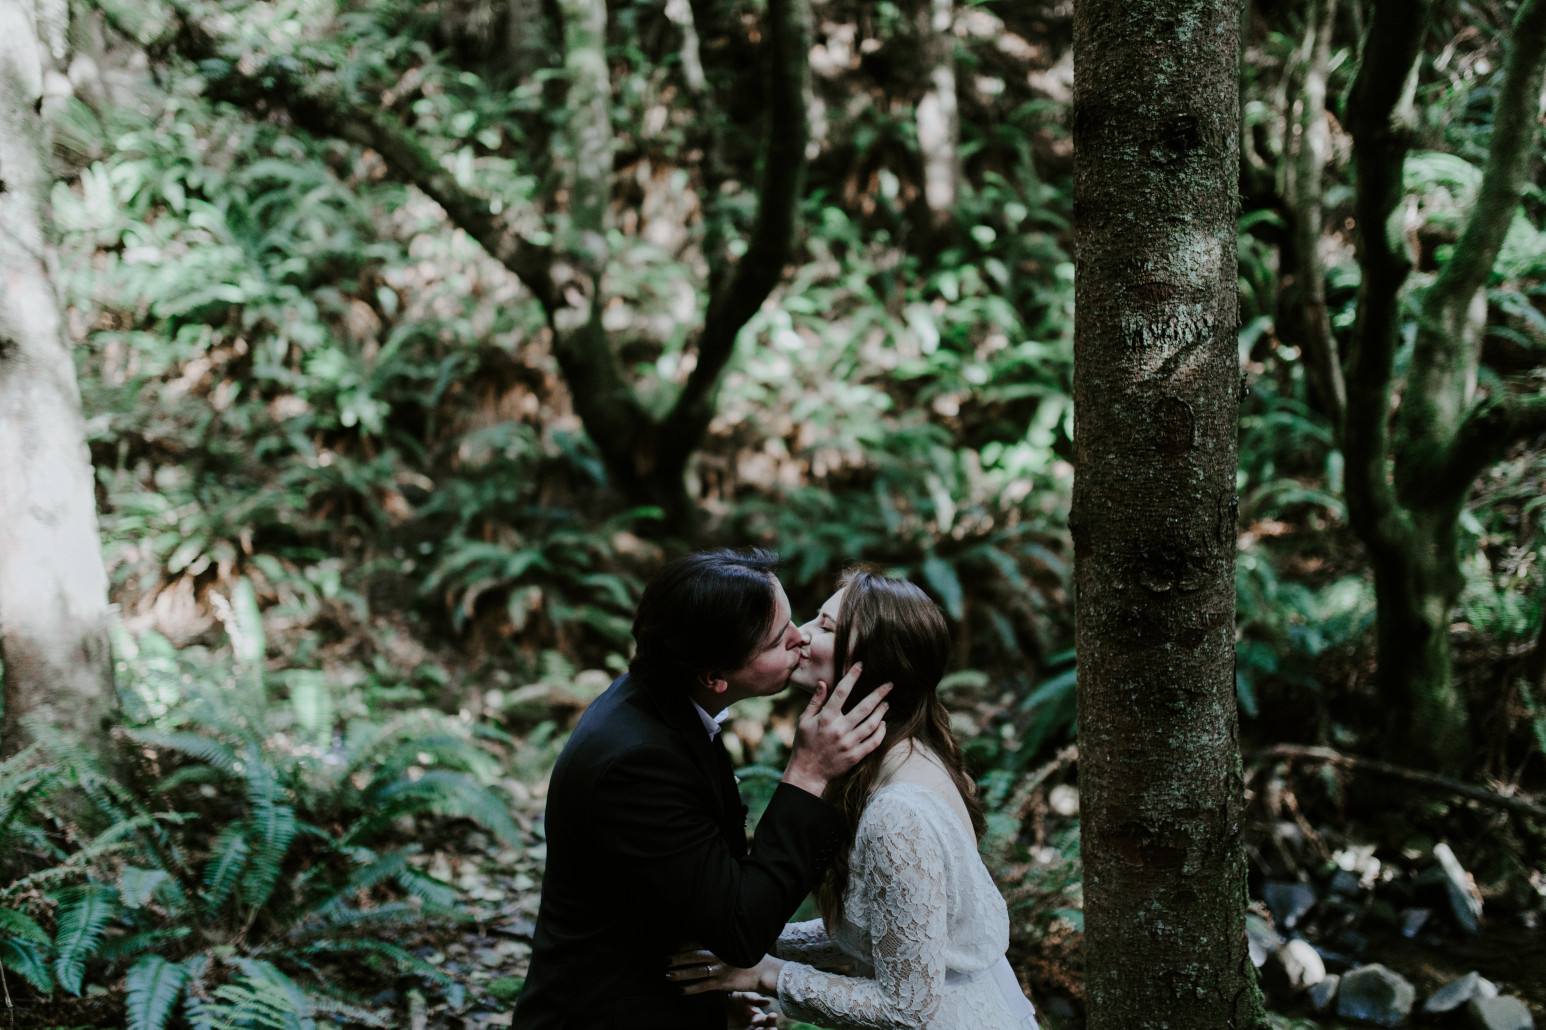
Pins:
<point x="646" y="454"/>
<point x="1407" y="490"/>
<point x="53" y="590"/>
<point x="1307" y="147"/>
<point x="1156" y="394"/>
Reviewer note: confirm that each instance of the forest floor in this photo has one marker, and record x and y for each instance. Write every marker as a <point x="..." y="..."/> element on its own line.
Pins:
<point x="1356" y="899"/>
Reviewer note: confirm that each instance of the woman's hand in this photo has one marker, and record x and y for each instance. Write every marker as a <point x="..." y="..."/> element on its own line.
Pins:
<point x="699" y="971"/>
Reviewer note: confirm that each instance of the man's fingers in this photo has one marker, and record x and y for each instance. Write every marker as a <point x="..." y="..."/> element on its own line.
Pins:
<point x="818" y="697"/>
<point x="872" y="742"/>
<point x="691" y="962"/>
<point x="845" y="685"/>
<point x="863" y="709"/>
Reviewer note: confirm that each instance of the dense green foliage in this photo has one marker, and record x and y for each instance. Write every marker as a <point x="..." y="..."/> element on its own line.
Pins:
<point x="251" y="841"/>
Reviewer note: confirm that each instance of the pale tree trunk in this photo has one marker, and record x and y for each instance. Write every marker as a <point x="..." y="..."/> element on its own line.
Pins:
<point x="938" y="123"/>
<point x="1156" y="381"/>
<point x="53" y="591"/>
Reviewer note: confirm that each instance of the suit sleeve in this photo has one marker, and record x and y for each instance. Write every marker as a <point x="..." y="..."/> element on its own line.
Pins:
<point x="649" y="810"/>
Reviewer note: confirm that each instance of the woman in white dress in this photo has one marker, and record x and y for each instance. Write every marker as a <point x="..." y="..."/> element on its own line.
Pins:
<point x="913" y="929"/>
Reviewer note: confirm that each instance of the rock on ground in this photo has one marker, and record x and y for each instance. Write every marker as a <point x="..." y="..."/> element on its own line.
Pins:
<point x="1503" y="1013"/>
<point x="1376" y="995"/>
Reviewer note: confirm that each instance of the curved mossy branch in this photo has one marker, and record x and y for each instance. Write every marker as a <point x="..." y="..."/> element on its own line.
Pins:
<point x="1485" y="437"/>
<point x="737" y="295"/>
<point x="1442" y="378"/>
<point x="283" y="84"/>
<point x="1381" y="140"/>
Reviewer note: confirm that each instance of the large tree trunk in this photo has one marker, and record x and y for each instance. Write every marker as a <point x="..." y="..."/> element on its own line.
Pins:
<point x="1156" y="383"/>
<point x="53" y="591"/>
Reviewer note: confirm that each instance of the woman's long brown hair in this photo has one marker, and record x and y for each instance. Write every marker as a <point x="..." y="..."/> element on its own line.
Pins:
<point x="901" y="637"/>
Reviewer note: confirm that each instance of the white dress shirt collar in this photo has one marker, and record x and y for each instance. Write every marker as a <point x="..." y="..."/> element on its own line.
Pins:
<point x="712" y="723"/>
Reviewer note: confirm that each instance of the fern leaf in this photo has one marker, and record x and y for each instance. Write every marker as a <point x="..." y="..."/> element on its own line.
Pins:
<point x="21" y="925"/>
<point x="194" y="745"/>
<point x="224" y="869"/>
<point x="195" y="1006"/>
<point x="153" y="987"/>
<point x="131" y="944"/>
<point x="135" y="885"/>
<point x="454" y="794"/>
<point x="274" y="829"/>
<point x="83" y="917"/>
<point x="30" y="960"/>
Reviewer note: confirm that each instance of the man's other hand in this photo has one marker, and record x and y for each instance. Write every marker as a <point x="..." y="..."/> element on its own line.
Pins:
<point x="745" y="1010"/>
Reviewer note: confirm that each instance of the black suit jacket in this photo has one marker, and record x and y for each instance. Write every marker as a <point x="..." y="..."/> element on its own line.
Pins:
<point x="647" y="849"/>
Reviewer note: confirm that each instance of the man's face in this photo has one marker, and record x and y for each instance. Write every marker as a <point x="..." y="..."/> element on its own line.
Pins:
<point x="777" y="656"/>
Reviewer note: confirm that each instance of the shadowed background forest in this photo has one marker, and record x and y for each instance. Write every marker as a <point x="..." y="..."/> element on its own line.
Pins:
<point x="413" y="336"/>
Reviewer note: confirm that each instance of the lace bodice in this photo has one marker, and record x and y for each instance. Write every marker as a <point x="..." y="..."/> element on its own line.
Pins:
<point x="923" y="934"/>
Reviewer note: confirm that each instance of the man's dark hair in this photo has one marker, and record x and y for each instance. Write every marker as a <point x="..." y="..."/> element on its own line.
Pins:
<point x="704" y="612"/>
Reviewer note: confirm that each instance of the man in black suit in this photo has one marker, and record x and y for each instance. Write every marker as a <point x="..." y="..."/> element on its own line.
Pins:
<point x="645" y="826"/>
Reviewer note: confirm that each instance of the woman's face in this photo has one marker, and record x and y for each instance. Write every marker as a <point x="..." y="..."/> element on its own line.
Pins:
<point x="816" y="657"/>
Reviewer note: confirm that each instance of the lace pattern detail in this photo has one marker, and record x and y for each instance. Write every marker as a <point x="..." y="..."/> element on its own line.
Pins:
<point x="809" y="943"/>
<point x="923" y="919"/>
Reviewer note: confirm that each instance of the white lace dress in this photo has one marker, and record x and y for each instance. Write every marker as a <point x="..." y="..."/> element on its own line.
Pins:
<point x="924" y="930"/>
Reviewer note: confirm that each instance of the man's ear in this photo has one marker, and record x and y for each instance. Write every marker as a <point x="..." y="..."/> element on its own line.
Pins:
<point x="714" y="682"/>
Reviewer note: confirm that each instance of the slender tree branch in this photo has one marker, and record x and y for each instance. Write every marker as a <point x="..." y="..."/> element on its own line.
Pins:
<point x="1380" y="144"/>
<point x="280" y="83"/>
<point x="1309" y="143"/>
<point x="1442" y="377"/>
<point x="1514" y="119"/>
<point x="741" y="293"/>
<point x="1326" y="756"/>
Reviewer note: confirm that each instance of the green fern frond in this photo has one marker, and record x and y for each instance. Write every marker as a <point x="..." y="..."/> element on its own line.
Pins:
<point x="405" y="961"/>
<point x="194" y="745"/>
<point x="263" y="998"/>
<point x="273" y="830"/>
<point x="353" y="1013"/>
<point x="17" y="766"/>
<point x="153" y="986"/>
<point x="136" y="885"/>
<point x="195" y="775"/>
<point x="224" y="869"/>
<point x="131" y="944"/>
<point x="84" y="912"/>
<point x="21" y="926"/>
<point x="427" y="889"/>
<point x="444" y="793"/>
<point x="30" y="960"/>
<point x="195" y="1006"/>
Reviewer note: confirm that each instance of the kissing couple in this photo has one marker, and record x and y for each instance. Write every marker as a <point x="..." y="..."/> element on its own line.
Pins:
<point x="655" y="914"/>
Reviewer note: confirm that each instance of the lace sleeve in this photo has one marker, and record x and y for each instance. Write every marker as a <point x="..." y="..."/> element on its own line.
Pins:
<point x="902" y="876"/>
<point x="808" y="942"/>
